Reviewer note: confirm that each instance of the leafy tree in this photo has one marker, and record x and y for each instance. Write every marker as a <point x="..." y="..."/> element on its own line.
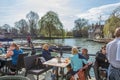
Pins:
<point x="79" y="25"/>
<point x="50" y="25"/>
<point x="22" y="26"/>
<point x="33" y="22"/>
<point x="112" y="23"/>
<point x="6" y="27"/>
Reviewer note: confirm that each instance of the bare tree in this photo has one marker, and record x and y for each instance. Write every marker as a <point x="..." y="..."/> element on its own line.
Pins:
<point x="33" y="22"/>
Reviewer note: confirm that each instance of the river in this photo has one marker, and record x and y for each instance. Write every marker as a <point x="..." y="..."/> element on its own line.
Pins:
<point x="92" y="47"/>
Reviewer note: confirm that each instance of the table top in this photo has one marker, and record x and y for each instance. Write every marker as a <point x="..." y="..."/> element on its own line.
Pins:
<point x="54" y="62"/>
<point x="3" y="57"/>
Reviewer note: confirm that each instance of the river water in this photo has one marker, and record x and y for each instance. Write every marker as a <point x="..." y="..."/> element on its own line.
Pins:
<point x="92" y="47"/>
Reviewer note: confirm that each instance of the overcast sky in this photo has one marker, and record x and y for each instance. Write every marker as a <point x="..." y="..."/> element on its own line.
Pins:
<point x="68" y="10"/>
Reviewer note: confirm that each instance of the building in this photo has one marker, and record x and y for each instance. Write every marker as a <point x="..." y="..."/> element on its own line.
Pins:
<point x="95" y="31"/>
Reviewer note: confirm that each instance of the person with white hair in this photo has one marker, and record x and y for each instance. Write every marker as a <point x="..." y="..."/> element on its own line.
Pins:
<point x="113" y="55"/>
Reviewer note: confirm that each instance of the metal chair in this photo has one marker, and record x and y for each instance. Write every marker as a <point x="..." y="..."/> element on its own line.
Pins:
<point x="13" y="78"/>
<point x="20" y="63"/>
<point x="30" y="66"/>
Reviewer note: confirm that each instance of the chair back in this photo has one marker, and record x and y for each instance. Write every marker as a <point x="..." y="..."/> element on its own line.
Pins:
<point x="29" y="61"/>
<point x="95" y="67"/>
<point x="13" y="78"/>
<point x="20" y="61"/>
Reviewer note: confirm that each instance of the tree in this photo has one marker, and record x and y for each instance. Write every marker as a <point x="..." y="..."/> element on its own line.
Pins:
<point x="22" y="26"/>
<point x="79" y="24"/>
<point x="33" y="22"/>
<point x="112" y="23"/>
<point x="51" y="25"/>
<point x="6" y="27"/>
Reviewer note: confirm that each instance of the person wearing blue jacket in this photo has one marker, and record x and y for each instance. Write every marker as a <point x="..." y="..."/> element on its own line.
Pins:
<point x="46" y="52"/>
<point x="13" y="52"/>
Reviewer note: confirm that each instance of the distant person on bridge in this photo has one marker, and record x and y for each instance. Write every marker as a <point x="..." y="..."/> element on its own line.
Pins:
<point x="113" y="55"/>
<point x="29" y="40"/>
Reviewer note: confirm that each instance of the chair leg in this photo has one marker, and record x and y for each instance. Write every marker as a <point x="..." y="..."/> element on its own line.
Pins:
<point x="37" y="77"/>
<point x="25" y="74"/>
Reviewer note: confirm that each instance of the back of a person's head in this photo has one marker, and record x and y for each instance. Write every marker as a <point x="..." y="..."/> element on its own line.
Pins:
<point x="15" y="45"/>
<point x="44" y="46"/>
<point x="74" y="50"/>
<point x="117" y="32"/>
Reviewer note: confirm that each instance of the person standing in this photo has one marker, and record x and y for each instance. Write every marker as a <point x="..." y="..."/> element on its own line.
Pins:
<point x="29" y="40"/>
<point x="113" y="55"/>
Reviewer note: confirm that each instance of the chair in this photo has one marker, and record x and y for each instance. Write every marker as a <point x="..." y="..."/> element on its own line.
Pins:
<point x="95" y="67"/>
<point x="87" y="71"/>
<point x="81" y="75"/>
<point x="30" y="66"/>
<point x="13" y="78"/>
<point x="98" y="71"/>
<point x="20" y="62"/>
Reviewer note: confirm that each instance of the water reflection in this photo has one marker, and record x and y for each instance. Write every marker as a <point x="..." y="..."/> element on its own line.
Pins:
<point x="92" y="47"/>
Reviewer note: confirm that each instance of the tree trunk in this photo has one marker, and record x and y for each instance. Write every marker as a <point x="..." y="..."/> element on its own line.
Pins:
<point x="49" y="30"/>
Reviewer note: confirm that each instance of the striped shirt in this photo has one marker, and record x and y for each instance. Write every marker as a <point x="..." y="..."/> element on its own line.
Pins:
<point x="112" y="52"/>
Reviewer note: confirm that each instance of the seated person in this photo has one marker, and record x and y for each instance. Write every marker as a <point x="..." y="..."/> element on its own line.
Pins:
<point x="2" y="51"/>
<point x="46" y="52"/>
<point x="76" y="63"/>
<point x="85" y="53"/>
<point x="13" y="52"/>
<point x="102" y="62"/>
<point x="101" y="58"/>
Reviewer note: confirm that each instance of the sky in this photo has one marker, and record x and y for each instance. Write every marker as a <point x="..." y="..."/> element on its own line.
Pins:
<point x="67" y="10"/>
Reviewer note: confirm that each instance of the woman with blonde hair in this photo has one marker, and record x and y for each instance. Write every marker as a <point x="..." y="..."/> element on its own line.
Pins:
<point x="46" y="52"/>
<point x="76" y="62"/>
<point x="13" y="52"/>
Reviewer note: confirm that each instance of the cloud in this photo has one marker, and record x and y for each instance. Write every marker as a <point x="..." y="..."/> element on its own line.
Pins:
<point x="10" y="13"/>
<point x="13" y="13"/>
<point x="94" y="13"/>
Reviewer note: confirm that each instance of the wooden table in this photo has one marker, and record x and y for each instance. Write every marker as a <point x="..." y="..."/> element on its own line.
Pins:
<point x="54" y="62"/>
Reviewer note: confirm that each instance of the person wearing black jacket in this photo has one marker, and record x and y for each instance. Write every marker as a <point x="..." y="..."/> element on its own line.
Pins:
<point x="101" y="58"/>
